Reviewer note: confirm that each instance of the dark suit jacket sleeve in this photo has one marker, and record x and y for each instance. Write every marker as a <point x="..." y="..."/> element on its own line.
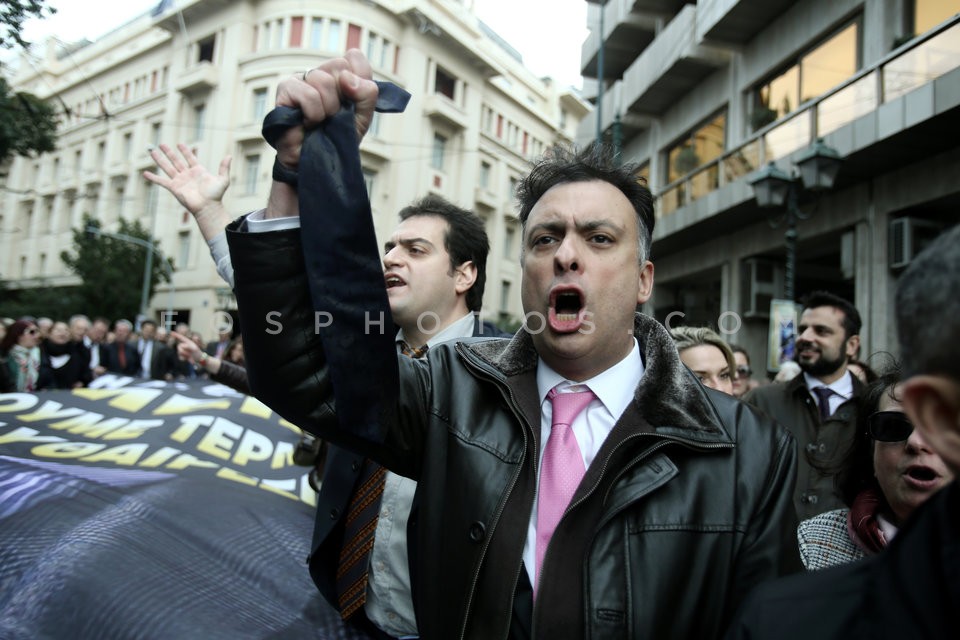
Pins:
<point x="285" y="358"/>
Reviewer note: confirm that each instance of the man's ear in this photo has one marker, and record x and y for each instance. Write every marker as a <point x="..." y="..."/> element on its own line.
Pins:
<point x="853" y="345"/>
<point x="645" y="289"/>
<point x="933" y="405"/>
<point x="464" y="276"/>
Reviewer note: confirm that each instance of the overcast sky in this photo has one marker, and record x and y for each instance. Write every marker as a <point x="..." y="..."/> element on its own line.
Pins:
<point x="552" y="50"/>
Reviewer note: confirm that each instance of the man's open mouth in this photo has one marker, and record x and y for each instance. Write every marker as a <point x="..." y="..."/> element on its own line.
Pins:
<point x="394" y="281"/>
<point x="566" y="310"/>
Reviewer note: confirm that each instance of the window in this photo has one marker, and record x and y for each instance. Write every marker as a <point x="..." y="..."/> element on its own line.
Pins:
<point x="78" y="161"/>
<point x="155" y="133"/>
<point x="509" y="234"/>
<point x="101" y="152"/>
<point x="259" y="104"/>
<point x="370" y="179"/>
<point x="56" y="170"/>
<point x="333" y="36"/>
<point x="127" y="146"/>
<point x="504" y="296"/>
<point x="817" y="71"/>
<point x="701" y="146"/>
<point x="444" y="83"/>
<point x="499" y="126"/>
<point x="353" y="36"/>
<point x="43" y="264"/>
<point x="119" y="195"/>
<point x="439" y="151"/>
<point x="266" y="34"/>
<point x="296" y="31"/>
<point x="251" y="174"/>
<point x="512" y="187"/>
<point x="205" y="49"/>
<point x="278" y="35"/>
<point x="485" y="174"/>
<point x="375" y="121"/>
<point x="199" y="115"/>
<point x="373" y="47"/>
<point x="929" y="13"/>
<point x="183" y="249"/>
<point x="316" y="32"/>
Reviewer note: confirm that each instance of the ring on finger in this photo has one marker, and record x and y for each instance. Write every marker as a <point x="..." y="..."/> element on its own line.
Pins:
<point x="304" y="76"/>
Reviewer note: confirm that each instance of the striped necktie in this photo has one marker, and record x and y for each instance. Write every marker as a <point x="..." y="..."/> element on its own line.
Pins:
<point x="360" y="527"/>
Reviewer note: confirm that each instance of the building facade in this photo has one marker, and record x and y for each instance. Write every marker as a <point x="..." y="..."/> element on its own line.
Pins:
<point x="204" y="72"/>
<point x="704" y="94"/>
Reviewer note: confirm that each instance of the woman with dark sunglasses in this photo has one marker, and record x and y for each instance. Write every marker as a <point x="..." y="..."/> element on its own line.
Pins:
<point x="889" y="472"/>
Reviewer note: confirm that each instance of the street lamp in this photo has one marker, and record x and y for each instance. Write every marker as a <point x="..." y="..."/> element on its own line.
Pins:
<point x="148" y="266"/>
<point x="816" y="170"/>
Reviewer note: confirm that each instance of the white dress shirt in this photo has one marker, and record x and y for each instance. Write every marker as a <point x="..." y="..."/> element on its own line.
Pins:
<point x="389" y="602"/>
<point x="842" y="389"/>
<point x="614" y="389"/>
<point x="145" y="349"/>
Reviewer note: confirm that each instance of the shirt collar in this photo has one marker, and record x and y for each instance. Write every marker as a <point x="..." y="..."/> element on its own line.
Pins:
<point x="614" y="387"/>
<point x="462" y="328"/>
<point x="843" y="386"/>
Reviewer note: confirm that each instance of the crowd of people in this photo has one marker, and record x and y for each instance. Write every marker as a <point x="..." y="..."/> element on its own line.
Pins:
<point x="41" y="353"/>
<point x="592" y="475"/>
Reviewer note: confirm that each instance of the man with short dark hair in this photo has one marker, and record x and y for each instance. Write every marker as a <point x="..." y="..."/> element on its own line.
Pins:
<point x="157" y="360"/>
<point x="434" y="269"/>
<point x="819" y="406"/>
<point x="578" y="465"/>
<point x="911" y="590"/>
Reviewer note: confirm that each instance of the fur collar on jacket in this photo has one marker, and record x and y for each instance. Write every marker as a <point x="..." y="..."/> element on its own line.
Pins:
<point x="668" y="394"/>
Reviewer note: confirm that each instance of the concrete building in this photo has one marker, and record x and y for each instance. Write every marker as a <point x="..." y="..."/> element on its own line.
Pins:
<point x="205" y="72"/>
<point x="706" y="93"/>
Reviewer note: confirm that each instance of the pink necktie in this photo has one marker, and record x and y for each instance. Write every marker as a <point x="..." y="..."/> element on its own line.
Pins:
<point x="562" y="467"/>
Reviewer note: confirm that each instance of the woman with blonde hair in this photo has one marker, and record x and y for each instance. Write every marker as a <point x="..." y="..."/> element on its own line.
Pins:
<point x="707" y="355"/>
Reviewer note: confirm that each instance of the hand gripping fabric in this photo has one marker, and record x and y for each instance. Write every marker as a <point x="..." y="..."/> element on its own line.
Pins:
<point x="343" y="264"/>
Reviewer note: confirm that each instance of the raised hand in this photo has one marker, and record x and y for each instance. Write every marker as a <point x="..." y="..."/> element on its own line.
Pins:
<point x="193" y="185"/>
<point x="319" y="93"/>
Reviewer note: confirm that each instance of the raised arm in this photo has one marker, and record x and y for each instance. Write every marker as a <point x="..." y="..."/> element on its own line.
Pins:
<point x="201" y="193"/>
<point x="319" y="93"/>
<point x="194" y="186"/>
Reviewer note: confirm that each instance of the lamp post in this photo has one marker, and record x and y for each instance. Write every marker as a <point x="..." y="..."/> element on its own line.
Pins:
<point x="151" y="249"/>
<point x="816" y="170"/>
<point x="603" y="6"/>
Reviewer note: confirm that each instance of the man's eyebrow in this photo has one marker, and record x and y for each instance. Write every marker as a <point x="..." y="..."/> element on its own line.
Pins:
<point x="406" y="242"/>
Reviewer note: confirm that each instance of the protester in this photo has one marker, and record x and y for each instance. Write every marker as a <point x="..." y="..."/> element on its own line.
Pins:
<point x="64" y="363"/>
<point x="435" y="269"/>
<point x="889" y="472"/>
<point x="225" y="372"/>
<point x="652" y="515"/>
<point x="911" y="589"/>
<point x="20" y="354"/>
<point x="818" y="407"/>
<point x="707" y="355"/>
<point x="120" y="356"/>
<point x="743" y="380"/>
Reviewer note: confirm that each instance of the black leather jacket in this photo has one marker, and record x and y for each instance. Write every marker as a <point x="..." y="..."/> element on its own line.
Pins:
<point x="686" y="507"/>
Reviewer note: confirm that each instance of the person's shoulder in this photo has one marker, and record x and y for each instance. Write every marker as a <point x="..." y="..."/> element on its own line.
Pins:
<point x="808" y="605"/>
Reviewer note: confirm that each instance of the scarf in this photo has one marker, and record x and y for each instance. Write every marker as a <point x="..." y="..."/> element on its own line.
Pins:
<point x="862" y="521"/>
<point x="26" y="367"/>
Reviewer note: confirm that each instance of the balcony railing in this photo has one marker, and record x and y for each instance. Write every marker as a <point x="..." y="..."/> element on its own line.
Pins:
<point x="913" y="65"/>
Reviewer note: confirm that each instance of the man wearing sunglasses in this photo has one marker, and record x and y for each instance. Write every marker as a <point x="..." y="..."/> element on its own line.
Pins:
<point x="819" y="406"/>
<point x="912" y="589"/>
